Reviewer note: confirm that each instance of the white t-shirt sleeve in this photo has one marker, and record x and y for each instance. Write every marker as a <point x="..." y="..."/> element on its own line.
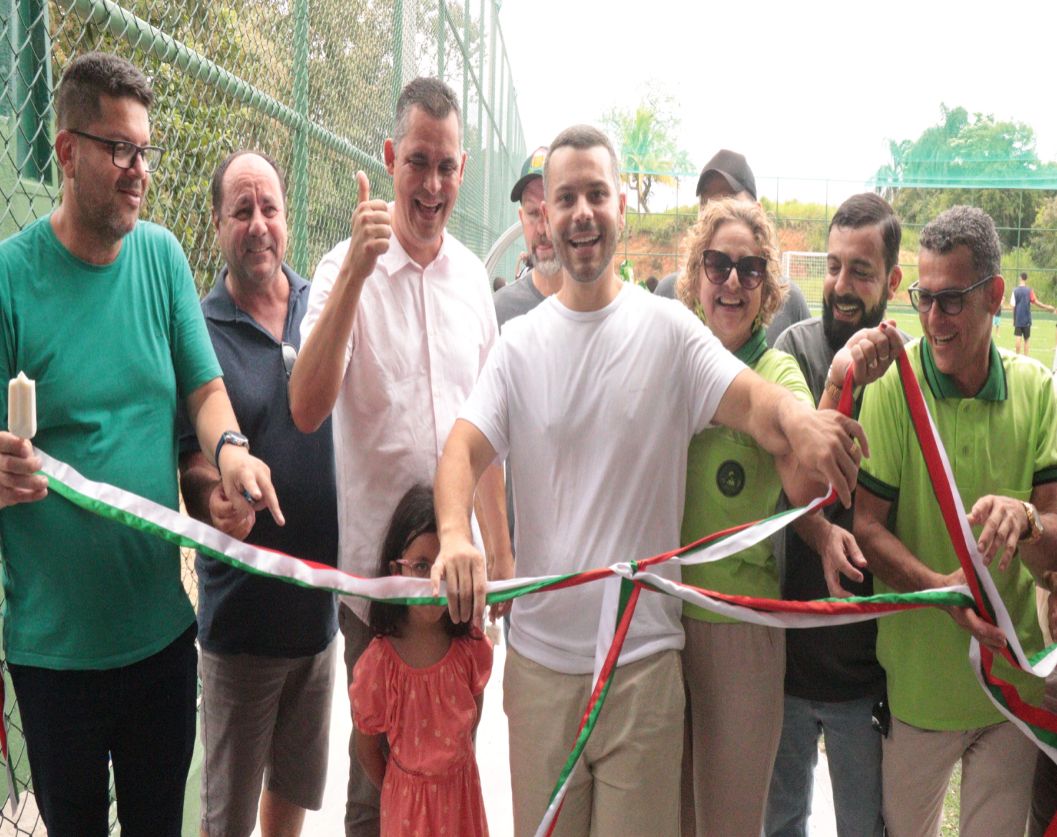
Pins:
<point x="708" y="369"/>
<point x="319" y="292"/>
<point x="491" y="324"/>
<point x="486" y="408"/>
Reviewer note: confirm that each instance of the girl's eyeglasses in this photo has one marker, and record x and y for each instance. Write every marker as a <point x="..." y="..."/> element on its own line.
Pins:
<point x="420" y="569"/>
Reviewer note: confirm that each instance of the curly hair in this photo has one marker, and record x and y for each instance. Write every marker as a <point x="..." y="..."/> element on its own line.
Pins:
<point x="714" y="215"/>
<point x="969" y="226"/>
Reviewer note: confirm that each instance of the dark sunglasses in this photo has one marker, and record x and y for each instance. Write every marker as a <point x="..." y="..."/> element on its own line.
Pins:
<point x="950" y="302"/>
<point x="289" y="357"/>
<point x="752" y="270"/>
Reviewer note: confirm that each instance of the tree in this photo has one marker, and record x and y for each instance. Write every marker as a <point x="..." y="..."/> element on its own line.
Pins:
<point x="646" y="146"/>
<point x="1044" y="235"/>
<point x="975" y="160"/>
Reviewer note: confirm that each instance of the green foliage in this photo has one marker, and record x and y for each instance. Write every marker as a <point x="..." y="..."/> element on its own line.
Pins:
<point x="975" y="160"/>
<point x="646" y="147"/>
<point x="801" y="226"/>
<point x="1044" y="234"/>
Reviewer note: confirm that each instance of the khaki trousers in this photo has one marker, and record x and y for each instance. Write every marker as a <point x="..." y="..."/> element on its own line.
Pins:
<point x="735" y="681"/>
<point x="997" y="766"/>
<point x="628" y="782"/>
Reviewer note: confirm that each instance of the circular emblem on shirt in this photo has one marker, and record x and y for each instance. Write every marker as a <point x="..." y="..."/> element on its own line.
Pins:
<point x="730" y="478"/>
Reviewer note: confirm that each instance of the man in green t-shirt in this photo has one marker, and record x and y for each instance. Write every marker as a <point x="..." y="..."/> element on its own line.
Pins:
<point x="100" y="309"/>
<point x="996" y="415"/>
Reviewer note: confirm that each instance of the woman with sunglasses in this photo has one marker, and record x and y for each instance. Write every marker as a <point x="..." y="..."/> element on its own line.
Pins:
<point x="734" y="671"/>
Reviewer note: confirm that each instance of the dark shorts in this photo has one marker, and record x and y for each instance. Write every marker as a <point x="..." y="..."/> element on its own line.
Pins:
<point x="140" y="717"/>
<point x="1023" y="331"/>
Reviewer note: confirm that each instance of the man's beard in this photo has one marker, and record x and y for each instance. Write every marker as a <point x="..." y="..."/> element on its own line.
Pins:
<point x="547" y="267"/>
<point x="837" y="331"/>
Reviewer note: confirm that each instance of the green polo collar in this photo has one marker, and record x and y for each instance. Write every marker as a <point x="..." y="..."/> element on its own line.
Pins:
<point x="942" y="385"/>
<point x="753" y="348"/>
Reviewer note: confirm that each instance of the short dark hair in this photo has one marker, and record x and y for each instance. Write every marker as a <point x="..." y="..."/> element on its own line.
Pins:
<point x="867" y="210"/>
<point x="90" y="76"/>
<point x="432" y="95"/>
<point x="969" y="226"/>
<point x="1024" y="276"/>
<point x="216" y="187"/>
<point x="582" y="137"/>
<point x="414" y="516"/>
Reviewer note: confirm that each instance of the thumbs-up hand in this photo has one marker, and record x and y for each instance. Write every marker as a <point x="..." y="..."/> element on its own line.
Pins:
<point x="371" y="228"/>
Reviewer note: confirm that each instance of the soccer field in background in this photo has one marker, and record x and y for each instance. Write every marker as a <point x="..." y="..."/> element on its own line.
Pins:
<point x="1043" y="330"/>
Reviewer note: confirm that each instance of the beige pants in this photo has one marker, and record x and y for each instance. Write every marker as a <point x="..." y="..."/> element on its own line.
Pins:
<point x="628" y="783"/>
<point x="997" y="766"/>
<point x="735" y="677"/>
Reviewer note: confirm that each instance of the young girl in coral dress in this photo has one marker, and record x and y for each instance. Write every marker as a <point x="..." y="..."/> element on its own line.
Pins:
<point x="420" y="685"/>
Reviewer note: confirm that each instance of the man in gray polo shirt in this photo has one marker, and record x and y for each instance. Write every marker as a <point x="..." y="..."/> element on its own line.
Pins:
<point x="267" y="663"/>
<point x="544" y="274"/>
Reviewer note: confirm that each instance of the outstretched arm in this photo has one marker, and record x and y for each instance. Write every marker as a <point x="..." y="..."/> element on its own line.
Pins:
<point x="823" y="441"/>
<point x="466" y="455"/>
<point x="901" y="570"/>
<point x="204" y="497"/>
<point x="490" y="506"/>
<point x="247" y="480"/>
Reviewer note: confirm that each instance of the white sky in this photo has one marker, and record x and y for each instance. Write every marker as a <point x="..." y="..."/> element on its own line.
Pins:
<point x="805" y="89"/>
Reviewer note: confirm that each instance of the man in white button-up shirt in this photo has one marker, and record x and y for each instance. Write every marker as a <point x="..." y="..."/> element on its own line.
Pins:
<point x="400" y="320"/>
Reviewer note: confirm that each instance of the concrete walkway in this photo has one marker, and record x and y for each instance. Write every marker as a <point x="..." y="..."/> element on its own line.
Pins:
<point x="492" y="762"/>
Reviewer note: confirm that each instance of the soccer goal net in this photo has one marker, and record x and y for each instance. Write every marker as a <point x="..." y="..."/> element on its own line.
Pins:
<point x="807" y="270"/>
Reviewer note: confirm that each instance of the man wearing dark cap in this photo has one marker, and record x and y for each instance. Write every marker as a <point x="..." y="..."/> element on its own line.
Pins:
<point x="728" y="175"/>
<point x="544" y="274"/>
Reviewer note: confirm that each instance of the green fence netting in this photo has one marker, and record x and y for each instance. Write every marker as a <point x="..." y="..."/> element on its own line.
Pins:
<point x="312" y="82"/>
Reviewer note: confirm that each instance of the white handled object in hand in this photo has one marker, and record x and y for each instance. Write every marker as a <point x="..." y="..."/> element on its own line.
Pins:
<point x="22" y="407"/>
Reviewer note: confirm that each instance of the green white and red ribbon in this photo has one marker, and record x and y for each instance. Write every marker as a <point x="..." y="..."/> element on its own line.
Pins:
<point x="624" y="583"/>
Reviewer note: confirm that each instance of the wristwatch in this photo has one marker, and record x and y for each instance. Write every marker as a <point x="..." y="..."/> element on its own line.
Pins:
<point x="1035" y="529"/>
<point x="229" y="437"/>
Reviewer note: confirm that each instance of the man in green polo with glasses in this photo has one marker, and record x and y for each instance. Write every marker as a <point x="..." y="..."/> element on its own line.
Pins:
<point x="995" y="412"/>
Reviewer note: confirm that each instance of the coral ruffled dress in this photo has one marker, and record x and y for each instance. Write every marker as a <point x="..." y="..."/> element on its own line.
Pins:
<point x="431" y="787"/>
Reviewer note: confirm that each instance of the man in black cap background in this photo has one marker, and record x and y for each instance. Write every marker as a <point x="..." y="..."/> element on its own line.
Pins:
<point x="544" y="274"/>
<point x="728" y="175"/>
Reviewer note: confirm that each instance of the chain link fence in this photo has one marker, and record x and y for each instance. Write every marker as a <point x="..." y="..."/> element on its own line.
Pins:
<point x="311" y="82"/>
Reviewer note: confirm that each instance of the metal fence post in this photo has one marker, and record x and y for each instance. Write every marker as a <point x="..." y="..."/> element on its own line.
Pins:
<point x="32" y="89"/>
<point x="442" y="14"/>
<point x="398" y="50"/>
<point x="299" y="192"/>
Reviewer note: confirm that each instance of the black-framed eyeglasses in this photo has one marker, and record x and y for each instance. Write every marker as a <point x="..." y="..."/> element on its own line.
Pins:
<point x="419" y="569"/>
<point x="124" y="153"/>
<point x="752" y="270"/>
<point x="289" y="357"/>
<point x="951" y="302"/>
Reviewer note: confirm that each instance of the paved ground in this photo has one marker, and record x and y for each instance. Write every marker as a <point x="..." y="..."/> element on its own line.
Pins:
<point x="492" y="761"/>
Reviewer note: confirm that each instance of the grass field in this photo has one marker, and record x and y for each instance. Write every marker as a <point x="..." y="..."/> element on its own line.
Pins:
<point x="1043" y="330"/>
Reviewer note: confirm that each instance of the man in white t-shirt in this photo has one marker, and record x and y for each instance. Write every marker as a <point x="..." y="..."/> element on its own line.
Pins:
<point x="569" y="396"/>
